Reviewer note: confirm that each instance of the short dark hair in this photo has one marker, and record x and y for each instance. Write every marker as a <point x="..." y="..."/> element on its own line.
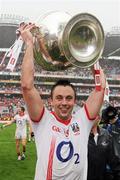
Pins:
<point x="62" y="82"/>
<point x="22" y="108"/>
<point x="109" y="113"/>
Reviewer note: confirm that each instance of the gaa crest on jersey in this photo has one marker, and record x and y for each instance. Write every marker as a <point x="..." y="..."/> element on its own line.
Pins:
<point x="66" y="132"/>
<point x="75" y="128"/>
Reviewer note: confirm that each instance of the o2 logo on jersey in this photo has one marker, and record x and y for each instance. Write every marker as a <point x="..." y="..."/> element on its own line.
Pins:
<point x="70" y="154"/>
<point x="20" y="122"/>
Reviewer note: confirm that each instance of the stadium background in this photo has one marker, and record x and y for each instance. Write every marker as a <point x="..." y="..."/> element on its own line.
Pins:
<point x="10" y="90"/>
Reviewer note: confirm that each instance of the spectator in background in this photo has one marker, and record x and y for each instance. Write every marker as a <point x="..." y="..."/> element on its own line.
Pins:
<point x="21" y="119"/>
<point x="110" y="117"/>
<point x="103" y="164"/>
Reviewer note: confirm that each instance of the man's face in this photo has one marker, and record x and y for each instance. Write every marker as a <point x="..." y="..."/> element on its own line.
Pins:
<point x="112" y="121"/>
<point x="63" y="101"/>
<point x="20" y="112"/>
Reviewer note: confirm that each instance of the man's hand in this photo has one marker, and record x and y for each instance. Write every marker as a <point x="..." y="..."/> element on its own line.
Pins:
<point x="25" y="32"/>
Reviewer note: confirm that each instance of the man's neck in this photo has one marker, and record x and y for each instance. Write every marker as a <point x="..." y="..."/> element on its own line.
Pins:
<point x="94" y="130"/>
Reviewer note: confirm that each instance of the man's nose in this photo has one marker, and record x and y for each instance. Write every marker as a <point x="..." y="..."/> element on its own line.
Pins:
<point x="64" y="101"/>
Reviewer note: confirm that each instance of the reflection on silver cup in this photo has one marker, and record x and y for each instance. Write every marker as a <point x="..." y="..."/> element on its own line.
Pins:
<point x="62" y="41"/>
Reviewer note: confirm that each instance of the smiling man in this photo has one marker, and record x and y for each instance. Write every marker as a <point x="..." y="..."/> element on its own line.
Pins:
<point x="61" y="137"/>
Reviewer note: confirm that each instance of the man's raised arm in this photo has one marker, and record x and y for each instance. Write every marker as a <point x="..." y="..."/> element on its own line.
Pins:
<point x="95" y="99"/>
<point x="31" y="95"/>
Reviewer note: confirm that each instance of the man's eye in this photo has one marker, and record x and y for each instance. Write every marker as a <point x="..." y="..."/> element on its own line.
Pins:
<point x="69" y="98"/>
<point x="59" y="98"/>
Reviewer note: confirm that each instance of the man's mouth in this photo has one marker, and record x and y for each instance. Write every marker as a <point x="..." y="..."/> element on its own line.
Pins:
<point x="64" y="110"/>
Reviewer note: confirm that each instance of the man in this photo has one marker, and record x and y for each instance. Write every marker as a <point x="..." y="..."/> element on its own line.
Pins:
<point x="21" y="119"/>
<point x="61" y="139"/>
<point x="110" y="116"/>
<point x="101" y="155"/>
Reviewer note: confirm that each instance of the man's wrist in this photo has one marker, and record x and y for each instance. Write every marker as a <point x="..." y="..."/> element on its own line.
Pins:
<point x="29" y="44"/>
<point x="103" y="88"/>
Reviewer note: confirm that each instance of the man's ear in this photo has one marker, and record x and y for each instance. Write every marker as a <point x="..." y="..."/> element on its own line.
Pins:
<point x="50" y="101"/>
<point x="75" y="101"/>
